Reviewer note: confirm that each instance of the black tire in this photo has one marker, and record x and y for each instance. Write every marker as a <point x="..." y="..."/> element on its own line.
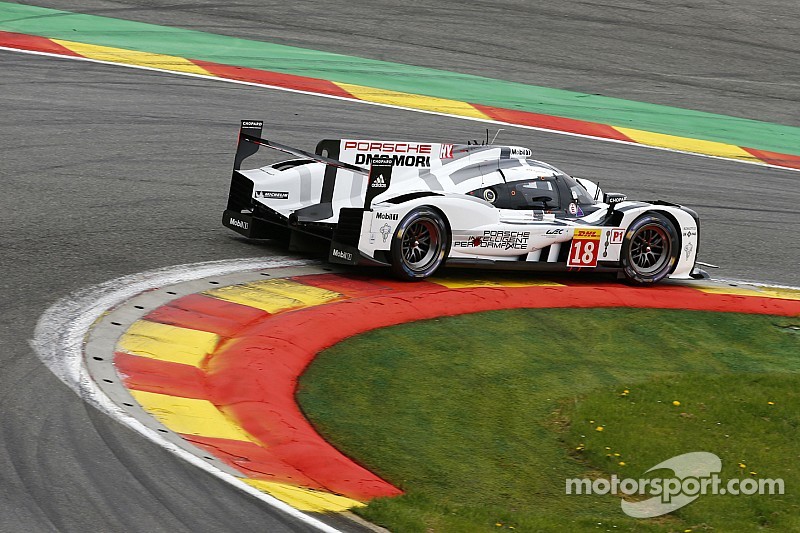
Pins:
<point x="420" y="244"/>
<point x="650" y="249"/>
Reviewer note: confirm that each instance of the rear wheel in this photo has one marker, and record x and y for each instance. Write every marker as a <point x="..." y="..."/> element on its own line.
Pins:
<point x="650" y="249"/>
<point x="419" y="244"/>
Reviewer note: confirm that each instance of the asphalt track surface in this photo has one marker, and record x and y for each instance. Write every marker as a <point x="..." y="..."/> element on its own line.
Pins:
<point x="108" y="171"/>
<point x="734" y="57"/>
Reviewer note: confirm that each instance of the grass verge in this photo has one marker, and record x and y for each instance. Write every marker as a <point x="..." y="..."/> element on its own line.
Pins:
<point x="481" y="418"/>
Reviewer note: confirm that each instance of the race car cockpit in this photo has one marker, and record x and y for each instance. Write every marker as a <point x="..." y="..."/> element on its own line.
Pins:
<point x="558" y="192"/>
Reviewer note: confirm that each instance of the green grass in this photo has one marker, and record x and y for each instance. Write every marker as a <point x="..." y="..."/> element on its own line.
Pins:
<point x="479" y="418"/>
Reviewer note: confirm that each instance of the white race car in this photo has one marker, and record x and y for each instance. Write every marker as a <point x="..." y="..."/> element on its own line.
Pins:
<point x="414" y="206"/>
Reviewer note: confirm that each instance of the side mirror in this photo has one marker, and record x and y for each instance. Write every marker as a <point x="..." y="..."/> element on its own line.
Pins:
<point x="613" y="198"/>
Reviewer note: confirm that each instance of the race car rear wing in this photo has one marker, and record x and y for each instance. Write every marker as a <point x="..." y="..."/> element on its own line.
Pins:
<point x="378" y="175"/>
<point x="250" y="139"/>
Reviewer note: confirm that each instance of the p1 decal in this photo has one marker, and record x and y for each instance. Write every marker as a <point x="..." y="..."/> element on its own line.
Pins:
<point x="613" y="236"/>
<point x="585" y="247"/>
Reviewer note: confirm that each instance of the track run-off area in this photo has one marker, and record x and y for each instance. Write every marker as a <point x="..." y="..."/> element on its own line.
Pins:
<point x="208" y="368"/>
<point x="111" y="173"/>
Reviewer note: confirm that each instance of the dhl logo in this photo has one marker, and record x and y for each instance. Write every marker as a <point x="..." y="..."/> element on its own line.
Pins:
<point x="588" y="234"/>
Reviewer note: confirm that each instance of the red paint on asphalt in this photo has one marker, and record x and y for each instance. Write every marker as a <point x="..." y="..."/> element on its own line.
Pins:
<point x="550" y="122"/>
<point x="162" y="377"/>
<point x="206" y="313"/>
<point x="34" y="44"/>
<point x="773" y="158"/>
<point x="276" y="79"/>
<point x="253" y="460"/>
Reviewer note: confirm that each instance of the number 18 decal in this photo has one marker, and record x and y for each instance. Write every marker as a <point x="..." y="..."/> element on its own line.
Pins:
<point x="585" y="248"/>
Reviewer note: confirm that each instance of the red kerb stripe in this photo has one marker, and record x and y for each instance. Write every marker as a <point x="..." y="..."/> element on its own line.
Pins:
<point x="774" y="158"/>
<point x="550" y="122"/>
<point x="34" y="43"/>
<point x="206" y="313"/>
<point x="277" y="79"/>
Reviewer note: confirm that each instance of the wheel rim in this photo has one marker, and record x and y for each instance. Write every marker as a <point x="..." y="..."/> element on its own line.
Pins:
<point x="650" y="248"/>
<point x="421" y="244"/>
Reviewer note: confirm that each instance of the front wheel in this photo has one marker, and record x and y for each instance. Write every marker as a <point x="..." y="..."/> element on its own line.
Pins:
<point x="419" y="244"/>
<point x="650" y="249"/>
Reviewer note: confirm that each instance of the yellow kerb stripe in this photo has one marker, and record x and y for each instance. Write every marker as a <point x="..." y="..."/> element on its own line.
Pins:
<point x="786" y="294"/>
<point x="167" y="343"/>
<point x="456" y="283"/>
<point x="133" y="57"/>
<point x="686" y="145"/>
<point x="189" y="416"/>
<point x="412" y="101"/>
<point x="274" y="295"/>
<point x="309" y="500"/>
<point x="764" y="292"/>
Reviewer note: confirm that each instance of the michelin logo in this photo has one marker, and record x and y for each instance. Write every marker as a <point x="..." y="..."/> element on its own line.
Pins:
<point x="274" y="195"/>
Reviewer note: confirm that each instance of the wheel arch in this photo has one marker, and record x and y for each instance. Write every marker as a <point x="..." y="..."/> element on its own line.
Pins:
<point x="439" y="211"/>
<point x="438" y="225"/>
<point x="446" y="222"/>
<point x="675" y="224"/>
<point x="639" y="274"/>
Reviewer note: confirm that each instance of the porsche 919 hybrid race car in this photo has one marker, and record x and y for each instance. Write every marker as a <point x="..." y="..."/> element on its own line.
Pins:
<point x="414" y="206"/>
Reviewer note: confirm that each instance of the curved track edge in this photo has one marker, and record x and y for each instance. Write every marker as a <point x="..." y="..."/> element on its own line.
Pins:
<point x="61" y="333"/>
<point x="204" y="359"/>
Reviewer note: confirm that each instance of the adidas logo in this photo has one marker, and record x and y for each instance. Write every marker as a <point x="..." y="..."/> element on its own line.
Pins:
<point x="379" y="182"/>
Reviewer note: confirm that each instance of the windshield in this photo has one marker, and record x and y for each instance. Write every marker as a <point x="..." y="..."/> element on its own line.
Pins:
<point x="578" y="192"/>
